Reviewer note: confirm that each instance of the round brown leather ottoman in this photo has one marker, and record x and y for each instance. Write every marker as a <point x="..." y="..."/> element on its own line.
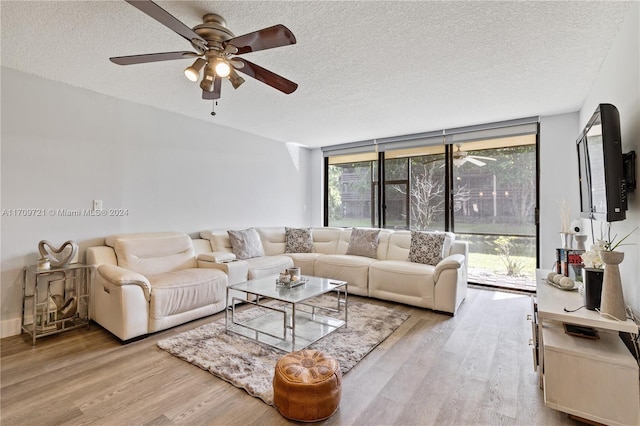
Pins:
<point x="307" y="386"/>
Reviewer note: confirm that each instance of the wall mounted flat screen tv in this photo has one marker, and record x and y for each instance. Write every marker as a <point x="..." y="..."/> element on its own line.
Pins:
<point x="603" y="194"/>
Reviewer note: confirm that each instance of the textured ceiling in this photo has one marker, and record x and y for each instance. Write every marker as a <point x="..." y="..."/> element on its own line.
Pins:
<point x="366" y="69"/>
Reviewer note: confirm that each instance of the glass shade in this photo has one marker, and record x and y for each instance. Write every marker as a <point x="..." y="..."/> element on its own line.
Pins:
<point x="193" y="72"/>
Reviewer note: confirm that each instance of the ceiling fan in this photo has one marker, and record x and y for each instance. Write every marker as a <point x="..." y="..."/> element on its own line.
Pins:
<point x="216" y="47"/>
<point x="460" y="157"/>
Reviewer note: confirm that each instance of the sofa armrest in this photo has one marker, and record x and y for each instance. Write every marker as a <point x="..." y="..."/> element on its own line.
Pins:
<point x="237" y="270"/>
<point x="461" y="247"/>
<point x="450" y="276"/>
<point x="453" y="261"/>
<point x="119" y="276"/>
<point x="217" y="256"/>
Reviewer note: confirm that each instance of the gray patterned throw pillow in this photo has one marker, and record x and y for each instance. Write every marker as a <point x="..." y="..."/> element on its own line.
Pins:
<point x="246" y="243"/>
<point x="298" y="240"/>
<point x="426" y="247"/>
<point x="363" y="242"/>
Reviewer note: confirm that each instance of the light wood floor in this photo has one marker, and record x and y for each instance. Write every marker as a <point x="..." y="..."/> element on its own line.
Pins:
<point x="474" y="368"/>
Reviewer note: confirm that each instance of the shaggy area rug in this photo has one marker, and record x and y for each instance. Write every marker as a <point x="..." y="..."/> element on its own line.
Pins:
<point x="250" y="366"/>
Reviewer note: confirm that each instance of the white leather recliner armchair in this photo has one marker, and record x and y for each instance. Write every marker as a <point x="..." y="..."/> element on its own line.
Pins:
<point x="149" y="282"/>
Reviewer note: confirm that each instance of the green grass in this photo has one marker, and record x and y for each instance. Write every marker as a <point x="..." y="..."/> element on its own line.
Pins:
<point x="493" y="263"/>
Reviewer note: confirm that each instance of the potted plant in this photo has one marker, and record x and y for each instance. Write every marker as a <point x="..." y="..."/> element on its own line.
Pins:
<point x="604" y="255"/>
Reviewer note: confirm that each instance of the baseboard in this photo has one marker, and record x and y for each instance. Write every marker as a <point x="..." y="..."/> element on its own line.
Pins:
<point x="10" y="327"/>
<point x="500" y="288"/>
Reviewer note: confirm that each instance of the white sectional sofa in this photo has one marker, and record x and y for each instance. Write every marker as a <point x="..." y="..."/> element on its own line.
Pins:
<point x="389" y="275"/>
<point x="145" y="283"/>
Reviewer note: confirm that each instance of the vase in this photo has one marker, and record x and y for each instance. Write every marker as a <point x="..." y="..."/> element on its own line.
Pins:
<point x="612" y="302"/>
<point x="567" y="240"/>
<point x="580" y="240"/>
<point x="592" y="287"/>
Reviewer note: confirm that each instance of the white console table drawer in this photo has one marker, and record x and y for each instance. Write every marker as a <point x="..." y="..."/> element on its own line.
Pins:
<point x="596" y="379"/>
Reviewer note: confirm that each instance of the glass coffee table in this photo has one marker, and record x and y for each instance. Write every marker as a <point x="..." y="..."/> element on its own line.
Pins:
<point x="296" y="322"/>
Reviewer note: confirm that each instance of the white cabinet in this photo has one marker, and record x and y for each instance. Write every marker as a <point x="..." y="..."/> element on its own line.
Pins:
<point x="594" y="379"/>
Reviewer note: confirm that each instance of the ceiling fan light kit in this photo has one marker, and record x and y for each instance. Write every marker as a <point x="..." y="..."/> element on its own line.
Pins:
<point x="216" y="45"/>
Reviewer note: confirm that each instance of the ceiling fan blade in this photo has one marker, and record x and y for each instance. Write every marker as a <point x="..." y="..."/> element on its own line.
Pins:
<point x="217" y="86"/>
<point x="152" y="57"/>
<point x="473" y="160"/>
<point x="267" y="38"/>
<point x="166" y="19"/>
<point x="483" y="158"/>
<point x="267" y="77"/>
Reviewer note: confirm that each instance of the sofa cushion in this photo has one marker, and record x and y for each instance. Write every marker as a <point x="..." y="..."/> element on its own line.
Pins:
<point x="352" y="269"/>
<point x="273" y="240"/>
<point x="305" y="261"/>
<point x="399" y="245"/>
<point x="219" y="240"/>
<point x="181" y="291"/>
<point x="246" y="243"/>
<point x="426" y="247"/>
<point x="402" y="281"/>
<point x="153" y="252"/>
<point x="298" y="240"/>
<point x="363" y="242"/>
<point x="325" y="240"/>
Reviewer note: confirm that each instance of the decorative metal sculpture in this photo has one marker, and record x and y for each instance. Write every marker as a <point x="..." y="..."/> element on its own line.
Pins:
<point x="58" y="257"/>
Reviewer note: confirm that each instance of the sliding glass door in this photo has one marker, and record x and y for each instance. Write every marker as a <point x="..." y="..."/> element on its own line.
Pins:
<point x="479" y="183"/>
<point x="497" y="215"/>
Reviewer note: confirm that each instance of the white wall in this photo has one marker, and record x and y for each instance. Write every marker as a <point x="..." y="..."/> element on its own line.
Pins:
<point x="618" y="83"/>
<point x="63" y="147"/>
<point x="558" y="180"/>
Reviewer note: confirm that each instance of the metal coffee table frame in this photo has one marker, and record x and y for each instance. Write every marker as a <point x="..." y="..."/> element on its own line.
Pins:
<point x="287" y="328"/>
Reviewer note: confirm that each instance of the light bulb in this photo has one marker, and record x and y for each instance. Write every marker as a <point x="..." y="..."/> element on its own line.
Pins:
<point x="223" y="69"/>
<point x="193" y="72"/>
